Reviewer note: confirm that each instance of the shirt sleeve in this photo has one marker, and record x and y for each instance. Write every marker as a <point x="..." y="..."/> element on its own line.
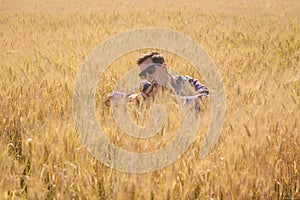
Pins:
<point x="197" y="85"/>
<point x="145" y="86"/>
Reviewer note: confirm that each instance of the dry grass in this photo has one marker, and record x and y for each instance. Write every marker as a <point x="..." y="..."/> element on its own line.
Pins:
<point x="256" y="47"/>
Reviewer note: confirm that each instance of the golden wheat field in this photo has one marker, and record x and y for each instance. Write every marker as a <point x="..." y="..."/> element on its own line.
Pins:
<point x="254" y="44"/>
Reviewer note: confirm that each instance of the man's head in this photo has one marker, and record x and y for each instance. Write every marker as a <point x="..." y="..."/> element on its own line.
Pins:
<point x="152" y="66"/>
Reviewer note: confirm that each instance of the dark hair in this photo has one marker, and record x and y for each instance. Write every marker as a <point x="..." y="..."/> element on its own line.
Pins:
<point x="155" y="56"/>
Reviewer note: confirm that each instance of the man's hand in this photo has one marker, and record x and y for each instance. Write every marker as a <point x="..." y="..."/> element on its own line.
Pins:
<point x="196" y="96"/>
<point x="117" y="95"/>
<point x="112" y="96"/>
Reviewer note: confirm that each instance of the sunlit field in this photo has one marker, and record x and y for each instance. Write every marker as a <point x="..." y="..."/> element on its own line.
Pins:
<point x="256" y="47"/>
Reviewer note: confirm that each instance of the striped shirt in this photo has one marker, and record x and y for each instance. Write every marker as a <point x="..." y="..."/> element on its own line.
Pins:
<point x="181" y="86"/>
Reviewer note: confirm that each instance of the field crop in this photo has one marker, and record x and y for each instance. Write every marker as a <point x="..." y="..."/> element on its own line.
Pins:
<point x="256" y="47"/>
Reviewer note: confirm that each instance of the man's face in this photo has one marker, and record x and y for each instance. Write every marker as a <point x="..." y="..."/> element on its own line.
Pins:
<point x="150" y="72"/>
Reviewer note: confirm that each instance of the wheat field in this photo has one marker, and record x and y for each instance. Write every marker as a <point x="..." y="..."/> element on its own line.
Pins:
<point x="256" y="47"/>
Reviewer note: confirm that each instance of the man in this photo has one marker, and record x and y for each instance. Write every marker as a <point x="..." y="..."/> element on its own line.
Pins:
<point x="155" y="75"/>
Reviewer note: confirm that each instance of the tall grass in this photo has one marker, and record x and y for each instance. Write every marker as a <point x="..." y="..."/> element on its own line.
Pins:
<point x="256" y="47"/>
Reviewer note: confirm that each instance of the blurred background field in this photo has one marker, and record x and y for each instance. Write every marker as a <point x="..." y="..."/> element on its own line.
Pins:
<point x="256" y="46"/>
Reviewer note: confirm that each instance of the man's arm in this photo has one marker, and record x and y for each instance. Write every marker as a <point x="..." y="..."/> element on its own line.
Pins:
<point x="144" y="89"/>
<point x="200" y="89"/>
